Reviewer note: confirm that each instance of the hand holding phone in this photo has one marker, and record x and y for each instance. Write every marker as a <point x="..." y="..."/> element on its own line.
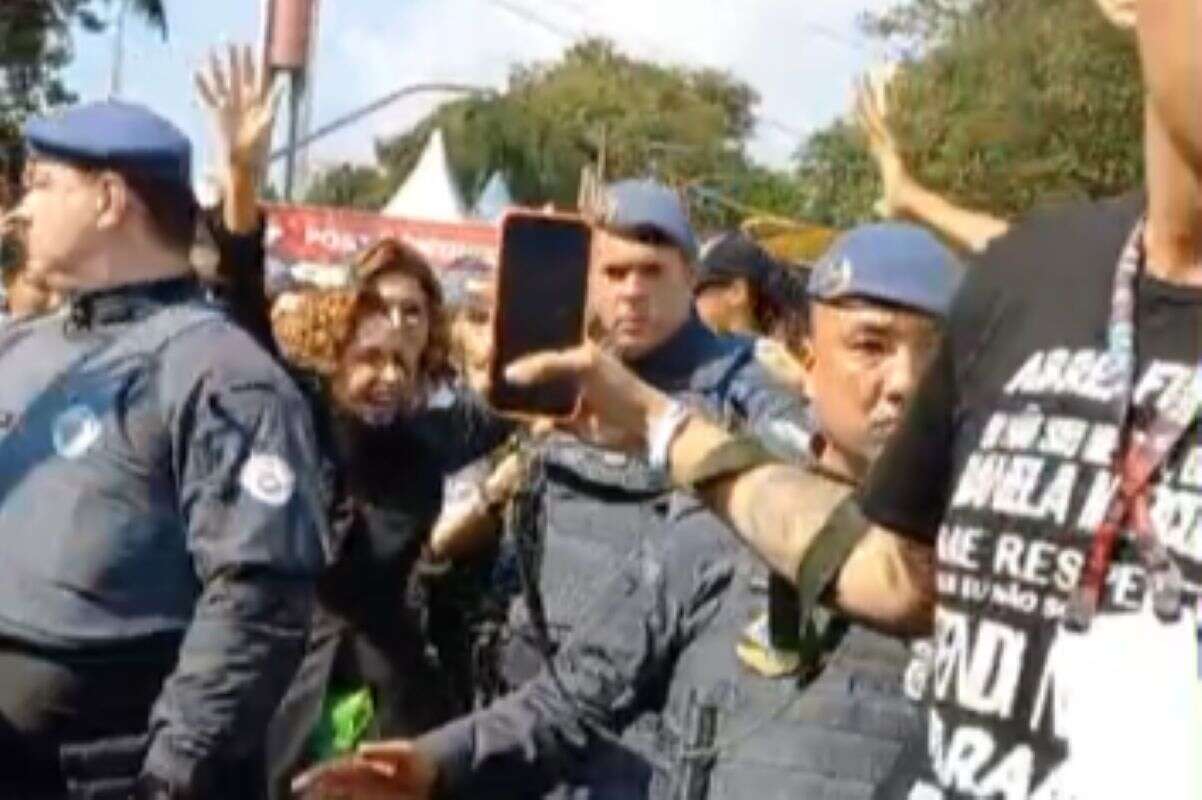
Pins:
<point x="540" y="302"/>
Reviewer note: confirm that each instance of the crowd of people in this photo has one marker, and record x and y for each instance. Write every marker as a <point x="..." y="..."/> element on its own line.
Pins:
<point x="917" y="521"/>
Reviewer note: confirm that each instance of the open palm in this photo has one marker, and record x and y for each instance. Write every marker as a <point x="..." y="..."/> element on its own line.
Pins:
<point x="241" y="106"/>
<point x="872" y="115"/>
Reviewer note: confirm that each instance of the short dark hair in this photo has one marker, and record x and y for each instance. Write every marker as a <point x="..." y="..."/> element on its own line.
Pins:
<point x="651" y="236"/>
<point x="170" y="205"/>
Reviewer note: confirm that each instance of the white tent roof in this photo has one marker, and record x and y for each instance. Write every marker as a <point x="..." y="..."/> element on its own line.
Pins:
<point x="494" y="199"/>
<point x="429" y="192"/>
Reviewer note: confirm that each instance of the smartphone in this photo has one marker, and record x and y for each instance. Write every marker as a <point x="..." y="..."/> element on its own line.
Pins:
<point x="540" y="302"/>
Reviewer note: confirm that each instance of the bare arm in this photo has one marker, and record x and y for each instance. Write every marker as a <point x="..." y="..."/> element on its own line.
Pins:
<point x="903" y="197"/>
<point x="968" y="229"/>
<point x="778" y="511"/>
<point x="463" y="530"/>
<point x="240" y="103"/>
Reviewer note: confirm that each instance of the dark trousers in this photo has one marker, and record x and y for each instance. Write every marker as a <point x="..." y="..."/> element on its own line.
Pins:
<point x="54" y="704"/>
<point x="299" y="711"/>
<point x="388" y="655"/>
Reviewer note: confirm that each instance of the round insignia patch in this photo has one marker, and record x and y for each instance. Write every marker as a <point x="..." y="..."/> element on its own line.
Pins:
<point x="75" y="431"/>
<point x="268" y="479"/>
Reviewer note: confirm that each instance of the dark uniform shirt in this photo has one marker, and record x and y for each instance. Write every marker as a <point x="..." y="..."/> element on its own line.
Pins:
<point x="663" y="635"/>
<point x="157" y="486"/>
<point x="599" y="507"/>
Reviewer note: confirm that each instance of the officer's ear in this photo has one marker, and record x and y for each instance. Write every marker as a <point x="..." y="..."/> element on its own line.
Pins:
<point x="807" y="354"/>
<point x="113" y="200"/>
<point x="806" y="357"/>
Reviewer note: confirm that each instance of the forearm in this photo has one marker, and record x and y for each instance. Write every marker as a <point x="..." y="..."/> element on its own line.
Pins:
<point x="241" y="273"/>
<point x="541" y="735"/>
<point x="599" y="682"/>
<point x="518" y="746"/>
<point x="464" y="530"/>
<point x="241" y="213"/>
<point x="237" y="659"/>
<point x="779" y="511"/>
<point x="971" y="230"/>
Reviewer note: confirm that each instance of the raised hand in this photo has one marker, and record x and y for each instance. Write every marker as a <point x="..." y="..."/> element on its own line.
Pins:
<point x="241" y="104"/>
<point x="872" y="114"/>
<point x="380" y="771"/>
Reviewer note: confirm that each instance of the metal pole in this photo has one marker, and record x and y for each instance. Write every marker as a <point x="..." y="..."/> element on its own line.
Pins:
<point x="118" y="51"/>
<point x="358" y="114"/>
<point x="296" y="91"/>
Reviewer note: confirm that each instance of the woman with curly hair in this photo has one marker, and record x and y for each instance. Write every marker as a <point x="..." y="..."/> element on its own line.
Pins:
<point x="373" y="356"/>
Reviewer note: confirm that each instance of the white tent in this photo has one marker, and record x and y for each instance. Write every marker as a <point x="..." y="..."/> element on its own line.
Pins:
<point x="429" y="192"/>
<point x="494" y="199"/>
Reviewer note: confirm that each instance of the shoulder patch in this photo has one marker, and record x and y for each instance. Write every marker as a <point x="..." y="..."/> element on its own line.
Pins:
<point x="75" y="431"/>
<point x="268" y="479"/>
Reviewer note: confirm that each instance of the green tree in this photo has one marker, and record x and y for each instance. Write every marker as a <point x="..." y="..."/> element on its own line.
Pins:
<point x="36" y="44"/>
<point x="153" y="12"/>
<point x="350" y="186"/>
<point x="685" y="126"/>
<point x="1001" y="105"/>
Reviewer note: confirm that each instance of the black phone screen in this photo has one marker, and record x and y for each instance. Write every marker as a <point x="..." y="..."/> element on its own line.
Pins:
<point x="542" y="284"/>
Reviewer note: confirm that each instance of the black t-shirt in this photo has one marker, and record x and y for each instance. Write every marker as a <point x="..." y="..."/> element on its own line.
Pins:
<point x="1004" y="464"/>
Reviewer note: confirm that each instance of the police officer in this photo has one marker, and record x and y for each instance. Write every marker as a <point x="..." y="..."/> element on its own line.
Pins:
<point x="597" y="506"/>
<point x="162" y="530"/>
<point x="673" y="625"/>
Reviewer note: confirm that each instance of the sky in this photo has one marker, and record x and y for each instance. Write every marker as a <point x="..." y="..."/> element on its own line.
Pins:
<point x="800" y="55"/>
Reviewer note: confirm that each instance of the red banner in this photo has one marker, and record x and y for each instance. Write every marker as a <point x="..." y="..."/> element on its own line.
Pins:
<point x="315" y="244"/>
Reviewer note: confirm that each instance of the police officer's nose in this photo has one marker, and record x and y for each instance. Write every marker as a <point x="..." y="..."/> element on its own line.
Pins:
<point x="901" y="376"/>
<point x="633" y="287"/>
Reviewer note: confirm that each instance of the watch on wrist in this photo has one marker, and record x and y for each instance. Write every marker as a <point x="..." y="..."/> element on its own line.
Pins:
<point x="662" y="431"/>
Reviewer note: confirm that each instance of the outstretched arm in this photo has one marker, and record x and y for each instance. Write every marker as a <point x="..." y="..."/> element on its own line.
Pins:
<point x="240" y="105"/>
<point x="778" y="510"/>
<point x="903" y="197"/>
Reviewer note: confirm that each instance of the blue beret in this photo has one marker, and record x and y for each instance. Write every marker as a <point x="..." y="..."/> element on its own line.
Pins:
<point x="893" y="263"/>
<point x="631" y="205"/>
<point x="114" y="134"/>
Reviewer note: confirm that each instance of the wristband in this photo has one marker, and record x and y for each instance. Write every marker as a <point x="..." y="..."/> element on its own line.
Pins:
<point x="662" y="432"/>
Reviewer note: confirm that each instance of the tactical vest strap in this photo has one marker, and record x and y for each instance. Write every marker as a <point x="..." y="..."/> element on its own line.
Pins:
<point x="734" y="456"/>
<point x="524" y="519"/>
<point x="843" y="531"/>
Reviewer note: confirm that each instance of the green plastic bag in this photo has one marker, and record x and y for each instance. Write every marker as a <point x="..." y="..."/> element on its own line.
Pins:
<point x="346" y="717"/>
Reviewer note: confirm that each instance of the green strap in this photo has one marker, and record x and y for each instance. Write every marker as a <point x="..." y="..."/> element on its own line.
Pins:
<point x="732" y="457"/>
<point x="843" y="530"/>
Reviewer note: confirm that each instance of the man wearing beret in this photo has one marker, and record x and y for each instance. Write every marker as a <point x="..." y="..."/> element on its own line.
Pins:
<point x="161" y="530"/>
<point x="597" y="505"/>
<point x="668" y="635"/>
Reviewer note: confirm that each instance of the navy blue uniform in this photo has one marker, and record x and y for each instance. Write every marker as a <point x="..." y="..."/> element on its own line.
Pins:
<point x="657" y="651"/>
<point x="598" y="506"/>
<point x="157" y="498"/>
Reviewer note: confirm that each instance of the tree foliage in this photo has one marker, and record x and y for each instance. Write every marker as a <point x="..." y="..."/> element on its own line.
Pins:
<point x="36" y="44"/>
<point x="681" y="125"/>
<point x="1000" y="104"/>
<point x="349" y="186"/>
